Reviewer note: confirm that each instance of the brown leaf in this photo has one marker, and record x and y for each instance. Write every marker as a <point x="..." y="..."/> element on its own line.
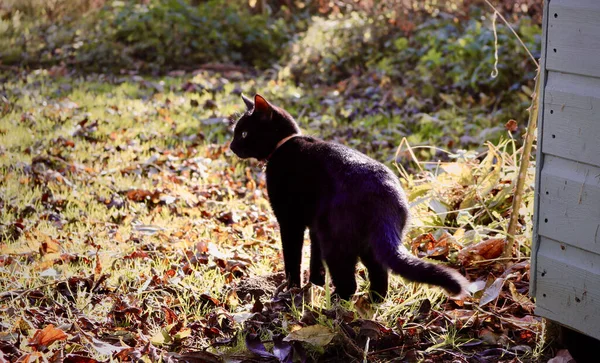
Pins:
<point x="211" y="301"/>
<point x="2" y="359"/>
<point x="49" y="246"/>
<point x="98" y="267"/>
<point x="317" y="335"/>
<point x="511" y="125"/>
<point x="170" y="315"/>
<point x="6" y="260"/>
<point x="43" y="338"/>
<point x="29" y="357"/>
<point x="136" y="254"/>
<point x="139" y="195"/>
<point x="77" y="358"/>
<point x="126" y="354"/>
<point x="422" y="243"/>
<point x="67" y="258"/>
<point x="484" y="250"/>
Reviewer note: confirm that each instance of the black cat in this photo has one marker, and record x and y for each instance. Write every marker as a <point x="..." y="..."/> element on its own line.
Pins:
<point x="353" y="206"/>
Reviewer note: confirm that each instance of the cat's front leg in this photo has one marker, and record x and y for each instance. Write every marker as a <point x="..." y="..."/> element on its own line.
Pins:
<point x="317" y="270"/>
<point x="292" y="237"/>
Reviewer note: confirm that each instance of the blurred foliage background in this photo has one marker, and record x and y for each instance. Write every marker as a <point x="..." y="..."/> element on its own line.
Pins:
<point x="425" y="63"/>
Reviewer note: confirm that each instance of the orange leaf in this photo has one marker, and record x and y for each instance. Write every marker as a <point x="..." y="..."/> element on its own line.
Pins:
<point x="29" y="357"/>
<point x="43" y="338"/>
<point x="170" y="315"/>
<point x="138" y="195"/>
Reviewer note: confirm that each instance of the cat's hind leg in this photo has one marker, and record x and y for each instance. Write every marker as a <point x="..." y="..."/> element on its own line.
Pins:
<point x="342" y="268"/>
<point x="378" y="276"/>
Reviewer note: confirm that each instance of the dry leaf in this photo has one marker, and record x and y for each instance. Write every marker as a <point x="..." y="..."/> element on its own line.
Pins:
<point x="511" y="125"/>
<point x="318" y="335"/>
<point x="98" y="267"/>
<point x="520" y="298"/>
<point x="492" y="292"/>
<point x="29" y="357"/>
<point x="484" y="250"/>
<point x="43" y="338"/>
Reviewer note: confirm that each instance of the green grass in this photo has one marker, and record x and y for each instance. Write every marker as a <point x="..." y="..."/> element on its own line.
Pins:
<point x="74" y="150"/>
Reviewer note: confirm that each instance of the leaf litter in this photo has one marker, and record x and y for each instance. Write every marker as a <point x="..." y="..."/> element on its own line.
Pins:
<point x="130" y="239"/>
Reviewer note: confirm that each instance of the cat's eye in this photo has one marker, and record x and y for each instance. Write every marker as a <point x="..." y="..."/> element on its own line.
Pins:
<point x="244" y="134"/>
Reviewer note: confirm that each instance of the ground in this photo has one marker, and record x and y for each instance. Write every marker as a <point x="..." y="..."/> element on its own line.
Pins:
<point x="130" y="231"/>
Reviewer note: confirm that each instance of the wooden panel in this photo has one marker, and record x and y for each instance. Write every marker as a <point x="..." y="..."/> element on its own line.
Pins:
<point x="574" y="37"/>
<point x="569" y="209"/>
<point x="568" y="286"/>
<point x="539" y="154"/>
<point x="571" y="127"/>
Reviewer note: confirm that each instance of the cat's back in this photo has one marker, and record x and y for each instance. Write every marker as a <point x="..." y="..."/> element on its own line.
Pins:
<point x="335" y="165"/>
<point x="361" y="189"/>
<point x="351" y="170"/>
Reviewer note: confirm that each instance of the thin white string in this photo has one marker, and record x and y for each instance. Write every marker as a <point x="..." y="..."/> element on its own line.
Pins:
<point x="495" y="70"/>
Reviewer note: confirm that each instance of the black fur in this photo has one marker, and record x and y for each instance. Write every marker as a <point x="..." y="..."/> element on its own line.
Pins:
<point x="353" y="206"/>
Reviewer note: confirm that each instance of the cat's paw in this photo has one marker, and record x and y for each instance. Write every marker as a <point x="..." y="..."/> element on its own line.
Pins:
<point x="293" y="283"/>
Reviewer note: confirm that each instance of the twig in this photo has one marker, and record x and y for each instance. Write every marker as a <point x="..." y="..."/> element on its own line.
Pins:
<point x="500" y="259"/>
<point x="522" y="175"/>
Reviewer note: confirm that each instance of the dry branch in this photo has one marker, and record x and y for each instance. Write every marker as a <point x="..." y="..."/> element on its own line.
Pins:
<point x="521" y="176"/>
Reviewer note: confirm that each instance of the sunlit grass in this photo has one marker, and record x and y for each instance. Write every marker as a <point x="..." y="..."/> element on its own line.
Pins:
<point x="68" y="214"/>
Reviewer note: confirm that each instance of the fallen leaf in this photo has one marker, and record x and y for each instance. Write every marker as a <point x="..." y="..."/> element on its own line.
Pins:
<point x="105" y="348"/>
<point x="255" y="345"/>
<point x="170" y="315"/>
<point x="136" y="254"/>
<point x="49" y="273"/>
<point x="43" y="338"/>
<point x="77" y="358"/>
<point x="29" y="357"/>
<point x="485" y="250"/>
<point x="282" y="349"/>
<point x="519" y="298"/>
<point x="492" y="292"/>
<point x="198" y="357"/>
<point x="139" y="195"/>
<point x="317" y="335"/>
<point x="98" y="266"/>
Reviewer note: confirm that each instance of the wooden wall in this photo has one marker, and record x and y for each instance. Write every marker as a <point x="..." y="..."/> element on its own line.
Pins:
<point x="566" y="249"/>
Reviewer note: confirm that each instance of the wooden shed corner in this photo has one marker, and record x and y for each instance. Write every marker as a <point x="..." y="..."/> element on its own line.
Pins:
<point x="565" y="276"/>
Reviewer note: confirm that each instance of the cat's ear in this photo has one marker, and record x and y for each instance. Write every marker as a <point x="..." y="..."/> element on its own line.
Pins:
<point x="249" y="103"/>
<point x="262" y="106"/>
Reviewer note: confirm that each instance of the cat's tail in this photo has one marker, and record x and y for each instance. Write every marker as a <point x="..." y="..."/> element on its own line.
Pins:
<point x="389" y="250"/>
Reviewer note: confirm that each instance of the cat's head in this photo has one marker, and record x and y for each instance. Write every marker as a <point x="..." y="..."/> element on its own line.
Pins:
<point x="260" y="128"/>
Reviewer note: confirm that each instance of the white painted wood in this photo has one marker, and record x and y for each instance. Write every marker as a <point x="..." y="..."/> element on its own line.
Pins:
<point x="574" y="37"/>
<point x="566" y="240"/>
<point x="571" y="127"/>
<point x="569" y="209"/>
<point x="539" y="154"/>
<point x="568" y="286"/>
